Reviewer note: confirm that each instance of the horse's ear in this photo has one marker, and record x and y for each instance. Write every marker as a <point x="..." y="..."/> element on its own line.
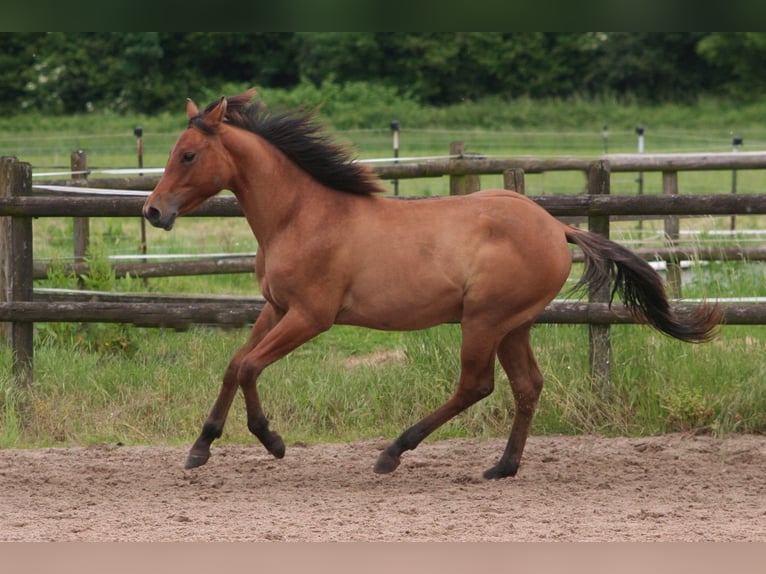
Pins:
<point x="215" y="116"/>
<point x="191" y="109"/>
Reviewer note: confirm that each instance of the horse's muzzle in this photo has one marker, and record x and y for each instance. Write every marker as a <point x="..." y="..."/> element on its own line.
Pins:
<point x="158" y="219"/>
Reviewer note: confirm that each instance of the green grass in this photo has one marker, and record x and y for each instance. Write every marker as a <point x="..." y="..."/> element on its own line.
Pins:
<point x="160" y="390"/>
<point x="107" y="383"/>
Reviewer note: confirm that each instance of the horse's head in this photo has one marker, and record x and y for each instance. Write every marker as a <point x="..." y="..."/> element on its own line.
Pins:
<point x="198" y="167"/>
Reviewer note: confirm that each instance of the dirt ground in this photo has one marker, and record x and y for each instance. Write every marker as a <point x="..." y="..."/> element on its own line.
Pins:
<point x="668" y="488"/>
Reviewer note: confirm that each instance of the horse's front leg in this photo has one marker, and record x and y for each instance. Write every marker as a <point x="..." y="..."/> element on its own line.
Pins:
<point x="213" y="427"/>
<point x="291" y="331"/>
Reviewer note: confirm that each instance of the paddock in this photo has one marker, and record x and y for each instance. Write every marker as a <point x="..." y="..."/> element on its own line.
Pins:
<point x="676" y="487"/>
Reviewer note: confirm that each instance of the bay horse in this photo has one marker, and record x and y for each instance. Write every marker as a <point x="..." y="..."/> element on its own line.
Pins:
<point x="332" y="250"/>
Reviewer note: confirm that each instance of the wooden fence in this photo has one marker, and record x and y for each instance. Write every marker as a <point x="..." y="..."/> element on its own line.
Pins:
<point x="20" y="307"/>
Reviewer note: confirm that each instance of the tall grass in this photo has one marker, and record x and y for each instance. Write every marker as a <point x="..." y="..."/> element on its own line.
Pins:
<point x="161" y="391"/>
<point x="116" y="383"/>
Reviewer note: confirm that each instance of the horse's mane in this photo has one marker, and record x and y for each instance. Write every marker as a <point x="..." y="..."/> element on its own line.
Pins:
<point x="301" y="138"/>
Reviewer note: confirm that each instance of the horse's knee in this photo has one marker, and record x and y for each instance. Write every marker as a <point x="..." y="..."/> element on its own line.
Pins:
<point x="247" y="371"/>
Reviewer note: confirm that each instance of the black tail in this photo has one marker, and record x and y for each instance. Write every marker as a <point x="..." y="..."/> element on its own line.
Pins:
<point x="640" y="288"/>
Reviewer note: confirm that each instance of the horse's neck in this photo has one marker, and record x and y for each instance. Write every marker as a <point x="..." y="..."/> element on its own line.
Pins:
<point x="272" y="191"/>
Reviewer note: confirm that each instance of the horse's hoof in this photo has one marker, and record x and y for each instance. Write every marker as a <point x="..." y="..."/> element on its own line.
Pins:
<point x="195" y="460"/>
<point x="276" y="445"/>
<point x="498" y="471"/>
<point x="386" y="463"/>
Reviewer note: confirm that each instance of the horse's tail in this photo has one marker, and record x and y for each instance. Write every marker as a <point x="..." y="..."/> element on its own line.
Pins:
<point x="640" y="287"/>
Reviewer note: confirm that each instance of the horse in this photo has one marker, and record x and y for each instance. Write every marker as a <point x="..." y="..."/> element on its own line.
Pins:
<point x="333" y="250"/>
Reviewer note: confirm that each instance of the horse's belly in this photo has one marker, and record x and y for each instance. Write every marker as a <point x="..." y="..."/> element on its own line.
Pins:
<point x="401" y="310"/>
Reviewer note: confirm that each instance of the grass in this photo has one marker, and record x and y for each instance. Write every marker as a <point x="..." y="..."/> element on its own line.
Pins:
<point x="107" y="383"/>
<point x="160" y="391"/>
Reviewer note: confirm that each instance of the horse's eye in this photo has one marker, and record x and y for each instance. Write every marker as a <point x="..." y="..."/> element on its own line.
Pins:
<point x="189" y="156"/>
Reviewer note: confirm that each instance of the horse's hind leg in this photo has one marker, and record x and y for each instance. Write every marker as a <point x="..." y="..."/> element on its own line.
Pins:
<point x="213" y="427"/>
<point x="476" y="382"/>
<point x="516" y="357"/>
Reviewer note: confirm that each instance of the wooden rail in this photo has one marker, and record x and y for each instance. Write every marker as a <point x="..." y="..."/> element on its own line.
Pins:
<point x="557" y="205"/>
<point x="183" y="312"/>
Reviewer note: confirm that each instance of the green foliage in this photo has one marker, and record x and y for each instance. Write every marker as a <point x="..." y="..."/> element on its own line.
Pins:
<point x="650" y="66"/>
<point x="687" y="409"/>
<point x="17" y="68"/>
<point x="104" y="338"/>
<point x="739" y="59"/>
<point x="351" y="105"/>
<point x="146" y="72"/>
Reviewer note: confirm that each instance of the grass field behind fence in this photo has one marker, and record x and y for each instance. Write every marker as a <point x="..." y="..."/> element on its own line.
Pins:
<point x="113" y="383"/>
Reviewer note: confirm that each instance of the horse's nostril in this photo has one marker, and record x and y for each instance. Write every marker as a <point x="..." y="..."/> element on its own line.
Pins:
<point x="152" y="214"/>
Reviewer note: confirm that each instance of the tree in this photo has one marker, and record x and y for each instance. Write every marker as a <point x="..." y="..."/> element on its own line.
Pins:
<point x="535" y="64"/>
<point x="76" y="72"/>
<point x="345" y="56"/>
<point x="147" y="71"/>
<point x="17" y="68"/>
<point x="447" y="67"/>
<point x="651" y="66"/>
<point x="141" y="71"/>
<point x="739" y="59"/>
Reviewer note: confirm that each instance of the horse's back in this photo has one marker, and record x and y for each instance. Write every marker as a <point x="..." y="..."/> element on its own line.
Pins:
<point x="494" y="223"/>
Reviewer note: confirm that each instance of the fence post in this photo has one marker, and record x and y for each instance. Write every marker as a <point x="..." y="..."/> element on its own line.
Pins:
<point x="462" y="184"/>
<point x="513" y="179"/>
<point x="16" y="266"/>
<point x="78" y="162"/>
<point x="395" y="125"/>
<point x="138" y="131"/>
<point x="640" y="180"/>
<point x="736" y="142"/>
<point x="600" y="344"/>
<point x="670" y="187"/>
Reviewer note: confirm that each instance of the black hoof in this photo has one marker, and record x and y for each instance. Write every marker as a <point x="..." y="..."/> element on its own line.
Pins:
<point x="500" y="472"/>
<point x="386" y="463"/>
<point x="195" y="460"/>
<point x="276" y="445"/>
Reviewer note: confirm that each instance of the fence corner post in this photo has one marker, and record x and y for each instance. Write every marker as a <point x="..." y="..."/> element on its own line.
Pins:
<point x="16" y="266"/>
<point x="600" y="345"/>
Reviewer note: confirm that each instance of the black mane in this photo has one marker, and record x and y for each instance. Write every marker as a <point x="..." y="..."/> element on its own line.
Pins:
<point x="298" y="135"/>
